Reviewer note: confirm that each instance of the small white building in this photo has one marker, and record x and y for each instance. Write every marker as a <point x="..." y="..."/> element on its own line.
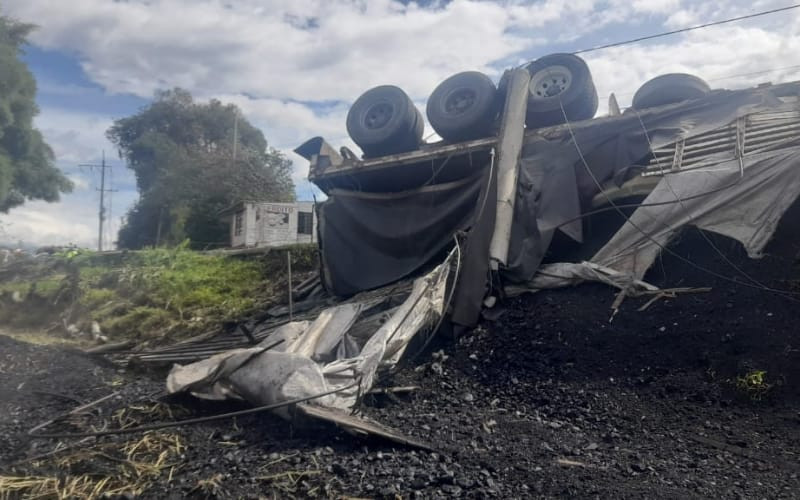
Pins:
<point x="262" y="224"/>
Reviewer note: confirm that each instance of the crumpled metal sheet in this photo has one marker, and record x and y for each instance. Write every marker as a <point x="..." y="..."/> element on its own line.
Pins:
<point x="306" y="363"/>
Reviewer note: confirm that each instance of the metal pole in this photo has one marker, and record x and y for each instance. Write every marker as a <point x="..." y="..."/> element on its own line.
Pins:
<point x="102" y="209"/>
<point x="291" y="301"/>
<point x="509" y="148"/>
<point x="102" y="206"/>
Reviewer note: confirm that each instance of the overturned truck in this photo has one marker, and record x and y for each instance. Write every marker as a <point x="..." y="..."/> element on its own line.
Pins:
<point x="415" y="237"/>
<point x="721" y="160"/>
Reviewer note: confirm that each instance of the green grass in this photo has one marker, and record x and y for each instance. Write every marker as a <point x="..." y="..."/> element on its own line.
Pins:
<point x="164" y="293"/>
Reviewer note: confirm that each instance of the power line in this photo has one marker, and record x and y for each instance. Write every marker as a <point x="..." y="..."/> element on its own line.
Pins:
<point x="688" y="212"/>
<point x="102" y="209"/>
<point x="690" y="28"/>
<point x="720" y="78"/>
<point x="192" y="421"/>
<point x="754" y="73"/>
<point x="783" y="293"/>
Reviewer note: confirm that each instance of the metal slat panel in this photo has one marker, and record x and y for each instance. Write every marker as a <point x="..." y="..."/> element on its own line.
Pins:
<point x="763" y="130"/>
<point x="771" y="135"/>
<point x="726" y="141"/>
<point x="699" y="153"/>
<point x="761" y="116"/>
<point x="771" y="144"/>
<point x="699" y="139"/>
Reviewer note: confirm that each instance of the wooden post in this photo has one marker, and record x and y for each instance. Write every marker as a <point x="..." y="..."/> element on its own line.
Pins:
<point x="291" y="299"/>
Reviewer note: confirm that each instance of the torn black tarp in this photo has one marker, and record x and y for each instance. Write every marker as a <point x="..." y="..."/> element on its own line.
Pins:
<point x="369" y="240"/>
<point x="472" y="280"/>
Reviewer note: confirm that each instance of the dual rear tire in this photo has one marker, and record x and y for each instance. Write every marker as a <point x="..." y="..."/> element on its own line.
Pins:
<point x="384" y="121"/>
<point x="561" y="89"/>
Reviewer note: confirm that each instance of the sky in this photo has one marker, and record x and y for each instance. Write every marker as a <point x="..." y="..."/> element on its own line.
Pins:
<point x="295" y="66"/>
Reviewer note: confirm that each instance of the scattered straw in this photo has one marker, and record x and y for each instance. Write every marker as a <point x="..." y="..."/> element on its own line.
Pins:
<point x="211" y="487"/>
<point x="104" y="470"/>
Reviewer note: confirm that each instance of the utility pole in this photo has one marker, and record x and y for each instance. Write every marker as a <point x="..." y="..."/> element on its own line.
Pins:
<point x="102" y="210"/>
<point x="235" y="133"/>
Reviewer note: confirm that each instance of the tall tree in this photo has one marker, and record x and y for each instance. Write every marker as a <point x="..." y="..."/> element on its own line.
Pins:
<point x="191" y="160"/>
<point x="27" y="169"/>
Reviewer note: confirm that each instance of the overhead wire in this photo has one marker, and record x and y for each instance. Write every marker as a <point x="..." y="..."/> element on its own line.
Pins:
<point x="453" y="285"/>
<point x="436" y="171"/>
<point x="753" y="73"/>
<point x="686" y="209"/>
<point x="445" y="306"/>
<point x="649" y="237"/>
<point x="190" y="421"/>
<point x="721" y="78"/>
<point x="639" y="205"/>
<point x="492" y="155"/>
<point x="689" y="28"/>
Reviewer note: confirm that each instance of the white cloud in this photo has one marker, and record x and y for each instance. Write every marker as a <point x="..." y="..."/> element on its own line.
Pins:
<point x="305" y="50"/>
<point x="79" y="182"/>
<point x="76" y="138"/>
<point x="274" y="57"/>
<point x="655" y="6"/>
<point x="39" y="223"/>
<point x="72" y="220"/>
<point x="294" y="66"/>
<point x="715" y="54"/>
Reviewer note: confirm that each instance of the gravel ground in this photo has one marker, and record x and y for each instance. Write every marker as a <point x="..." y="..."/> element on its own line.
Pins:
<point x="551" y="399"/>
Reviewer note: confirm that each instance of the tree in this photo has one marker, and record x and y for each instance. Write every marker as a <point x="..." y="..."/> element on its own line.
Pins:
<point x="191" y="160"/>
<point x="27" y="170"/>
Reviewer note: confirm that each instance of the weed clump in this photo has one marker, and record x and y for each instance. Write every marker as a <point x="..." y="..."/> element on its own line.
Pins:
<point x="754" y="385"/>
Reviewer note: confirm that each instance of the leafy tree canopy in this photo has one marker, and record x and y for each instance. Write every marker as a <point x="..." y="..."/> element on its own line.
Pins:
<point x="187" y="169"/>
<point x="27" y="169"/>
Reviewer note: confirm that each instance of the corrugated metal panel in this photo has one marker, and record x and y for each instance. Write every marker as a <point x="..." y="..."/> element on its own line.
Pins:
<point x="751" y="134"/>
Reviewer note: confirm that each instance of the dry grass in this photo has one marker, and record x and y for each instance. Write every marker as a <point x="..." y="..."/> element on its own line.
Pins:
<point x="104" y="470"/>
<point x="289" y="481"/>
<point x="209" y="488"/>
<point x="42" y="338"/>
<point x="135" y="415"/>
<point x="50" y="487"/>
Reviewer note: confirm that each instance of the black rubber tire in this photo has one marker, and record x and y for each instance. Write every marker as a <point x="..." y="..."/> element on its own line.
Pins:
<point x="410" y="141"/>
<point x="463" y="107"/>
<point x="579" y="98"/>
<point x="382" y="121"/>
<point x="669" y="89"/>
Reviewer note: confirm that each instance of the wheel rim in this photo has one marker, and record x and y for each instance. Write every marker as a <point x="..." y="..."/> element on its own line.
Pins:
<point x="378" y="115"/>
<point x="459" y="101"/>
<point x="550" y="82"/>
